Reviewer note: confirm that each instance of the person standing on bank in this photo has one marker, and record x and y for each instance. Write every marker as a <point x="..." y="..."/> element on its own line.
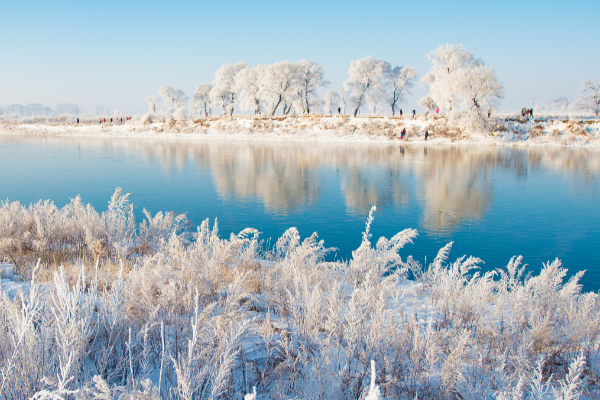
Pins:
<point x="426" y="135"/>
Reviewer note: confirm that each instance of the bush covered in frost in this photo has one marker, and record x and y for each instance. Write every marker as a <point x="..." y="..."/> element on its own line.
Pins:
<point x="114" y="309"/>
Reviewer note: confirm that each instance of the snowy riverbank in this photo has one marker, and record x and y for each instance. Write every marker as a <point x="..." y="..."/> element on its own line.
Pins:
<point x="503" y="131"/>
<point x="156" y="310"/>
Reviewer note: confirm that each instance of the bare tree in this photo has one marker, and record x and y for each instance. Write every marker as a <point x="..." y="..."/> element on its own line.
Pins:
<point x="589" y="96"/>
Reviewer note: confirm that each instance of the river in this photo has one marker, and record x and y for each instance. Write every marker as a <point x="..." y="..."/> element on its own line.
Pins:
<point x="493" y="202"/>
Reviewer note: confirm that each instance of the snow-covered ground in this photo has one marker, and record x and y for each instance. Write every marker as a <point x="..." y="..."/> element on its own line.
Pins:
<point x="503" y="131"/>
<point x="8" y="282"/>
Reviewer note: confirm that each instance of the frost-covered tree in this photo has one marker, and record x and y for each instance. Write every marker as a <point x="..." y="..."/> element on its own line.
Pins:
<point x="345" y="98"/>
<point x="332" y="101"/>
<point x="201" y="98"/>
<point x="367" y="76"/>
<point x="589" y="96"/>
<point x="220" y="99"/>
<point x="440" y="82"/>
<point x="463" y="85"/>
<point x="174" y="98"/>
<point x="280" y="86"/>
<point x="379" y="94"/>
<point x="225" y="90"/>
<point x="402" y="81"/>
<point x="249" y="83"/>
<point x="478" y="88"/>
<point x="152" y="102"/>
<point x="426" y="103"/>
<point x="310" y="78"/>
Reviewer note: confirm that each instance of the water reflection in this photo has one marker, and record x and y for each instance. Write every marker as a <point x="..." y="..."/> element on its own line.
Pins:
<point x="283" y="177"/>
<point x="450" y="185"/>
<point x="454" y="186"/>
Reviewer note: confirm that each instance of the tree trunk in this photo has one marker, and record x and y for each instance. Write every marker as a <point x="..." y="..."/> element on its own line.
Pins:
<point x="276" y="105"/>
<point x="306" y="100"/>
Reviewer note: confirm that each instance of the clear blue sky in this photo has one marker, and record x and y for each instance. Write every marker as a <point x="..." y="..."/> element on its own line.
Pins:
<point x="114" y="54"/>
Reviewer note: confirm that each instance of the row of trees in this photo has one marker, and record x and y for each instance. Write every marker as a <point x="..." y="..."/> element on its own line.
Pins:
<point x="35" y="109"/>
<point x="287" y="87"/>
<point x="458" y="83"/>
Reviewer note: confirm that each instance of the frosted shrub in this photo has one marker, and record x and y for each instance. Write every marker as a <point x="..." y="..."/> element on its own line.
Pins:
<point x="155" y="231"/>
<point x="155" y="311"/>
<point x="180" y="114"/>
<point x="145" y="119"/>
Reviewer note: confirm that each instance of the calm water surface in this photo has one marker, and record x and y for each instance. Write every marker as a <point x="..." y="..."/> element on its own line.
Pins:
<point x="493" y="203"/>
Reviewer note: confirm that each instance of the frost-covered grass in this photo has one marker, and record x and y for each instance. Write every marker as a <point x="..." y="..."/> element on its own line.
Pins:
<point x="109" y="308"/>
<point x="505" y="129"/>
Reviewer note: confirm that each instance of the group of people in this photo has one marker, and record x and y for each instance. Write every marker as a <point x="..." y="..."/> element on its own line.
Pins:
<point x="403" y="134"/>
<point x="527" y="112"/>
<point x="103" y="120"/>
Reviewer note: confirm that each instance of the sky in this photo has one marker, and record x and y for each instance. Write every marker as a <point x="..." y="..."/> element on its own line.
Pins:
<point x="114" y="53"/>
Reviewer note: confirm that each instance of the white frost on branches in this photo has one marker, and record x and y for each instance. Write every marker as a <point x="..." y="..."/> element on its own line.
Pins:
<point x="331" y="102"/>
<point x="174" y="98"/>
<point x="208" y="318"/>
<point x="374" y="392"/>
<point x="310" y="78"/>
<point x="461" y="84"/>
<point x="225" y="91"/>
<point x="402" y="81"/>
<point x="366" y="82"/>
<point x="152" y="103"/>
<point x="280" y="86"/>
<point x="249" y="82"/>
<point x="201" y="99"/>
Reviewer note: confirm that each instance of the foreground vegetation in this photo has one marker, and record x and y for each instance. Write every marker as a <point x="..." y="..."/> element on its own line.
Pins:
<point x="113" y="309"/>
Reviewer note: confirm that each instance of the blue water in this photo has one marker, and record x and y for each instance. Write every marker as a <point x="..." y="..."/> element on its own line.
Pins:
<point x="493" y="202"/>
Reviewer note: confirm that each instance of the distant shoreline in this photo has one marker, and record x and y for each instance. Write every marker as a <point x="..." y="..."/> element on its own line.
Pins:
<point x="505" y="131"/>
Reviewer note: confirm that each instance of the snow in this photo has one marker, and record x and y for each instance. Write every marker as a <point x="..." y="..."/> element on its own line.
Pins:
<point x="10" y="282"/>
<point x="504" y="131"/>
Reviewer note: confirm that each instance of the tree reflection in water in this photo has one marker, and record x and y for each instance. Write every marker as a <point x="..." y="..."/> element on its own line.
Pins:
<point x="450" y="184"/>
